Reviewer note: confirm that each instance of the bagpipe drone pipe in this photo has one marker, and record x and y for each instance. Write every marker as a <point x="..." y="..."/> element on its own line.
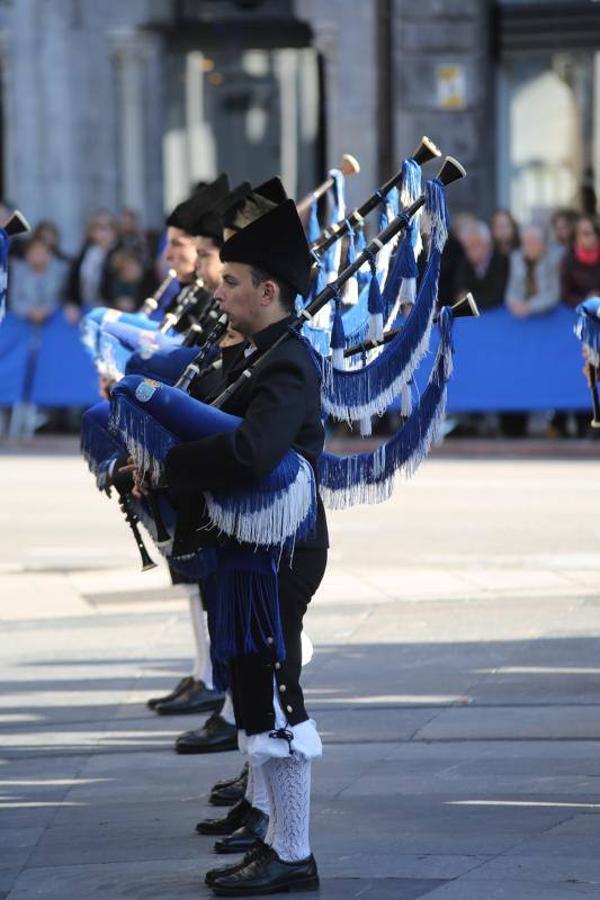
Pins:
<point x="17" y="224"/>
<point x="587" y="329"/>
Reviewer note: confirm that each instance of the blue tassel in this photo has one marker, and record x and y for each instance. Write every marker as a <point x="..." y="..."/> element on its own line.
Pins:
<point x="435" y="204"/>
<point x="338" y="341"/>
<point x="410" y="181"/>
<point x="375" y="331"/>
<point x="407" y="268"/>
<point x="4" y="241"/>
<point x="314" y="229"/>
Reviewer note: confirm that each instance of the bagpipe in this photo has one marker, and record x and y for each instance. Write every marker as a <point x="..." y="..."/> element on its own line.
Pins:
<point x="150" y="418"/>
<point x="587" y="329"/>
<point x="17" y="224"/>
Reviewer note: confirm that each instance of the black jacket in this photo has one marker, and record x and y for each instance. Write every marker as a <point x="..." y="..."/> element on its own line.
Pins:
<point x="281" y="409"/>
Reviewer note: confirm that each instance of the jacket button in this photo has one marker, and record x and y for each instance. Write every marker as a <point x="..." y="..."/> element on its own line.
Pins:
<point x="289" y="709"/>
<point x="278" y="666"/>
<point x="282" y="688"/>
<point x="270" y="640"/>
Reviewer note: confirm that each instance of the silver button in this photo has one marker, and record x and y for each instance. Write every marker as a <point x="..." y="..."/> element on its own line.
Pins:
<point x="289" y="709"/>
<point x="277" y="665"/>
<point x="282" y="688"/>
<point x="270" y="640"/>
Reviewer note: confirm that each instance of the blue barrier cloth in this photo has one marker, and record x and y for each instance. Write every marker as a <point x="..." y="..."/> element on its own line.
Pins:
<point x="15" y="337"/>
<point x="504" y="363"/>
<point x="65" y="374"/>
<point x="501" y="363"/>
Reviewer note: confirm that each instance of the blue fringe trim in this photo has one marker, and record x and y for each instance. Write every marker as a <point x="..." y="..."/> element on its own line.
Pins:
<point x="356" y="393"/>
<point x="369" y="477"/>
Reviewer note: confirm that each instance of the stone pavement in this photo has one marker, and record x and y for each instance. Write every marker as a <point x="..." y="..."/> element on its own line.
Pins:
<point x="456" y="681"/>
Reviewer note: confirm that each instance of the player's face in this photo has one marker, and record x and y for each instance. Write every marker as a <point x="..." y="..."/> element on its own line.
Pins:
<point x="180" y="253"/>
<point x="240" y="299"/>
<point x="208" y="263"/>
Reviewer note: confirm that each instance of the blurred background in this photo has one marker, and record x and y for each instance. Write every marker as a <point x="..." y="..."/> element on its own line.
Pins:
<point x="111" y="111"/>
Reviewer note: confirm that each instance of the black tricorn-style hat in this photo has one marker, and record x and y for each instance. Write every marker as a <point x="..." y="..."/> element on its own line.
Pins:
<point x="198" y="214"/>
<point x="275" y="243"/>
<point x="254" y="203"/>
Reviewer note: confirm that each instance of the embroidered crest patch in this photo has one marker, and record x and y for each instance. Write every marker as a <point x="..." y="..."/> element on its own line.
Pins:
<point x="145" y="390"/>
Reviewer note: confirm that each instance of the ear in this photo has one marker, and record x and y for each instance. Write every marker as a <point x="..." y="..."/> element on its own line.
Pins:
<point x="269" y="292"/>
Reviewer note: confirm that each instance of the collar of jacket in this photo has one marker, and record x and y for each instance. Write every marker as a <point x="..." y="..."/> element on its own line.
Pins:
<point x="267" y="337"/>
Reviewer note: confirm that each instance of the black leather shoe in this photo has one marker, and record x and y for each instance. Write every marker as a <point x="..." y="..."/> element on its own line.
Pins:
<point x="196" y="698"/>
<point x="227" y="796"/>
<point x="244" y="838"/>
<point x="226" y="782"/>
<point x="235" y="818"/>
<point x="226" y="793"/>
<point x="212" y="874"/>
<point x="268" y="874"/>
<point x="182" y="686"/>
<point x="215" y="736"/>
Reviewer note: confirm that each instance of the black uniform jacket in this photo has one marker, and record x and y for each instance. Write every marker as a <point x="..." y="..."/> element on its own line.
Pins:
<point x="281" y="408"/>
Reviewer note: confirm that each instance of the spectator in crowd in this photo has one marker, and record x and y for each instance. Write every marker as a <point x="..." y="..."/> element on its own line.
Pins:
<point x="90" y="279"/>
<point x="505" y="232"/>
<point x="580" y="273"/>
<point x="533" y="288"/>
<point x="48" y="232"/>
<point x="484" y="270"/>
<point x="131" y="280"/>
<point x="534" y="281"/>
<point x="36" y="282"/>
<point x="132" y="236"/>
<point x="562" y="226"/>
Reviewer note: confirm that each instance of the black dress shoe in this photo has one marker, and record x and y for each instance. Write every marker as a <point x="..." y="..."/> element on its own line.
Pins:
<point x="258" y="849"/>
<point x="196" y="698"/>
<point x="182" y="686"/>
<point x="268" y="874"/>
<point x="236" y="817"/>
<point x="226" y="782"/>
<point x="226" y="793"/>
<point x="215" y="736"/>
<point x="227" y="796"/>
<point x="244" y="838"/>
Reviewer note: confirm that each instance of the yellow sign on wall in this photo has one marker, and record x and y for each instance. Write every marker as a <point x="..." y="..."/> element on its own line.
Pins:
<point x="451" y="83"/>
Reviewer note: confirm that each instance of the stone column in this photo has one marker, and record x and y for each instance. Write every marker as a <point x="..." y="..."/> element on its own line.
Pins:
<point x="129" y="58"/>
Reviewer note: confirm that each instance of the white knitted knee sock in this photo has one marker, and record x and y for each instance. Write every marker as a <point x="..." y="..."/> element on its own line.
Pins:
<point x="288" y="785"/>
<point x="260" y="797"/>
<point x="202" y="665"/>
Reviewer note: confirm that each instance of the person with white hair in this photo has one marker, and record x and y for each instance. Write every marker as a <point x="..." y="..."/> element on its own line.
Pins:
<point x="484" y="271"/>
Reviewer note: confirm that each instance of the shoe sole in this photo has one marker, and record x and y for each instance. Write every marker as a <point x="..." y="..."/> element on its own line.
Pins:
<point x="219" y="801"/>
<point x="232" y="848"/>
<point x="190" y="710"/>
<point x="306" y="884"/>
<point x="221" y="749"/>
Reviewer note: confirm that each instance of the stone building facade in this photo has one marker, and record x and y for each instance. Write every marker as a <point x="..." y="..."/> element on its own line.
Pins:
<point x="128" y="103"/>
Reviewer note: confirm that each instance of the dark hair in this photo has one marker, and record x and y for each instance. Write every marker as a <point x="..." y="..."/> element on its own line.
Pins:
<point x="287" y="294"/>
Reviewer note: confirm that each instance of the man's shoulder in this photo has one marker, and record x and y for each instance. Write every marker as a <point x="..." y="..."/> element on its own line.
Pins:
<point x="291" y="353"/>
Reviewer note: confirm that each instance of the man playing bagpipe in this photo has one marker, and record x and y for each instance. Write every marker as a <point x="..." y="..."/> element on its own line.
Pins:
<point x="261" y="607"/>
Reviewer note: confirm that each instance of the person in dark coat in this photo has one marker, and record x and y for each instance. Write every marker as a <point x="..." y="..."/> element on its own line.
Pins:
<point x="265" y="265"/>
<point x="580" y="272"/>
<point x="484" y="270"/>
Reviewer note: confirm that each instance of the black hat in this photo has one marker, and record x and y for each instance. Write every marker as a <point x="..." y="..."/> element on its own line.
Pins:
<point x="254" y="203"/>
<point x="273" y="190"/>
<point x="275" y="243"/>
<point x="232" y="203"/>
<point x="197" y="215"/>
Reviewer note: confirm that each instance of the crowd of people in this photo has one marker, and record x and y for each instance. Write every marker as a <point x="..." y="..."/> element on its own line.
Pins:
<point x="115" y="266"/>
<point x="528" y="269"/>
